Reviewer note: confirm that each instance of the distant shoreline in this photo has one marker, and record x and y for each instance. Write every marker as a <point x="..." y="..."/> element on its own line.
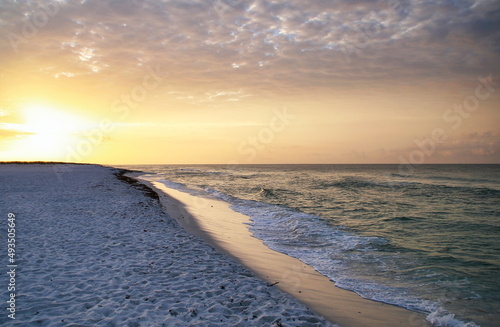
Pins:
<point x="263" y="164"/>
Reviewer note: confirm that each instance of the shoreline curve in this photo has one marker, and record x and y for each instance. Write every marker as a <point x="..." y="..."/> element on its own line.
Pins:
<point x="226" y="230"/>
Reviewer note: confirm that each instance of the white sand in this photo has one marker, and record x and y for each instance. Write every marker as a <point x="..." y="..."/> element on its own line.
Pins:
<point x="94" y="251"/>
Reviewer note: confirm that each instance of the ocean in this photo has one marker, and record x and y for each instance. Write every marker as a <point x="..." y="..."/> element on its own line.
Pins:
<point x="426" y="240"/>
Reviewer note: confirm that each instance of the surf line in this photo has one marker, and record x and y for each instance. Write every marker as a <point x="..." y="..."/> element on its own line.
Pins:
<point x="226" y="230"/>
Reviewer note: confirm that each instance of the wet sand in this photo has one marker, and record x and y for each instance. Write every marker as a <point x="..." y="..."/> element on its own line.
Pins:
<point x="227" y="231"/>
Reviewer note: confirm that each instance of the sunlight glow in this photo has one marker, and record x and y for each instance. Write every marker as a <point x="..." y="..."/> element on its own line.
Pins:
<point x="40" y="119"/>
<point x="50" y="131"/>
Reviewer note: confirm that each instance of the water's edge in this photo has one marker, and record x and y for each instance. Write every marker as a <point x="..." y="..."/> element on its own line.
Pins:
<point x="291" y="275"/>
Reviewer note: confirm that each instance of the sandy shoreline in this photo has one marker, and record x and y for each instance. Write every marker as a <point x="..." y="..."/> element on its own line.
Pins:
<point x="92" y="250"/>
<point x="226" y="231"/>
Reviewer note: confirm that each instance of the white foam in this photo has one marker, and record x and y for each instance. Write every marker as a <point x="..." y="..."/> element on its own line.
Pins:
<point x="330" y="251"/>
<point x="442" y="318"/>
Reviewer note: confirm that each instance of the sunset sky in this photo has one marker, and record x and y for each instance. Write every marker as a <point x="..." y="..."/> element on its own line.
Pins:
<point x="241" y="81"/>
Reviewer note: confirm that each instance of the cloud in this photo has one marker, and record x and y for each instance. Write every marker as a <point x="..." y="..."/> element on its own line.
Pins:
<point x="8" y="130"/>
<point x="5" y="133"/>
<point x="288" y="44"/>
<point x="466" y="148"/>
<point x="476" y="146"/>
<point x="4" y="112"/>
<point x="193" y="125"/>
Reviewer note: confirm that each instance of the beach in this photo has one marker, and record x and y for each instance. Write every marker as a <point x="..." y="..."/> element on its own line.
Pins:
<point x="425" y="241"/>
<point x="227" y="231"/>
<point x="94" y="250"/>
<point x="250" y="163"/>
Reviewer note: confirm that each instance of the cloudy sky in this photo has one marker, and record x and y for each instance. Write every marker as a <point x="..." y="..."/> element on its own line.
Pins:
<point x="241" y="81"/>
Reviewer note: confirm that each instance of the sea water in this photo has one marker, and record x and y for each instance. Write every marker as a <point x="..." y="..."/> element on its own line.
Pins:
<point x="427" y="239"/>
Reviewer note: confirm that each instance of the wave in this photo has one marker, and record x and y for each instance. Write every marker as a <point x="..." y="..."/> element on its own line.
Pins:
<point x="349" y="183"/>
<point x="403" y="219"/>
<point x="441" y="177"/>
<point x="191" y="171"/>
<point x="267" y="193"/>
<point x="334" y="252"/>
<point x="460" y="179"/>
<point x="480" y="184"/>
<point x="275" y="193"/>
<point x="355" y="262"/>
<point x="420" y="187"/>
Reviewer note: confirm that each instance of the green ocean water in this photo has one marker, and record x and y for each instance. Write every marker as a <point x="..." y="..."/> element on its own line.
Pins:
<point x="428" y="240"/>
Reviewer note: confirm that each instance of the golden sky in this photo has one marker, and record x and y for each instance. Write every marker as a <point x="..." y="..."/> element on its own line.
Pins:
<point x="237" y="81"/>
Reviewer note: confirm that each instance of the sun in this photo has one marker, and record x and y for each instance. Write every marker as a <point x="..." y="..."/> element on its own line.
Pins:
<point x="50" y="132"/>
<point x="45" y="120"/>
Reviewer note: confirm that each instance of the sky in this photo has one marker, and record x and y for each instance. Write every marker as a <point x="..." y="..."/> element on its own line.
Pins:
<point x="250" y="82"/>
